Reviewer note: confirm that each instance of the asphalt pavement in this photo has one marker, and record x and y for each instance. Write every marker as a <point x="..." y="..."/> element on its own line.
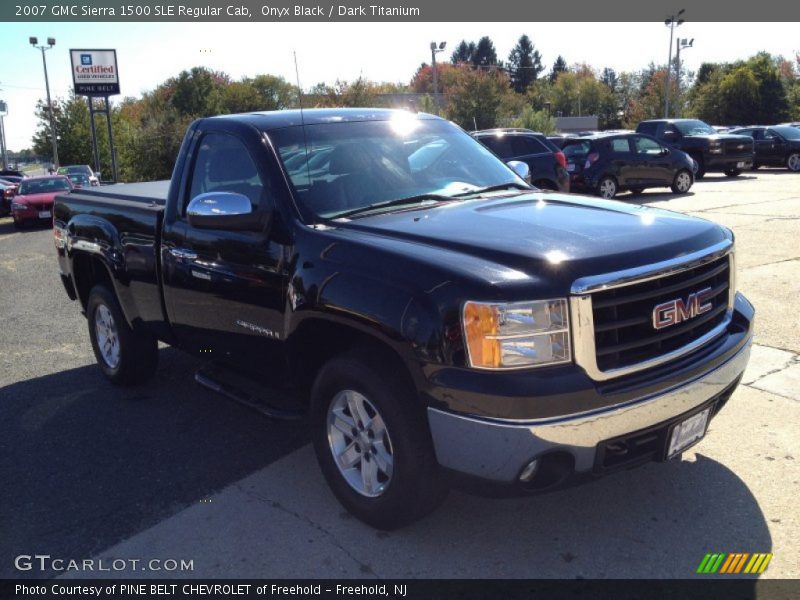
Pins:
<point x="169" y="470"/>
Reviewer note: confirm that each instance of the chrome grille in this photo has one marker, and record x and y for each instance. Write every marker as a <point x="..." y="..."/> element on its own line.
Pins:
<point x="612" y="314"/>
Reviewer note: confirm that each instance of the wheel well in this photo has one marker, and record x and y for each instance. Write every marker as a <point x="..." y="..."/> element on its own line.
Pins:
<point x="88" y="271"/>
<point x="316" y="341"/>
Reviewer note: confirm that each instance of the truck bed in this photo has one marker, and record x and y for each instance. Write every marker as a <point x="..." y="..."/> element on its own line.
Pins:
<point x="120" y="226"/>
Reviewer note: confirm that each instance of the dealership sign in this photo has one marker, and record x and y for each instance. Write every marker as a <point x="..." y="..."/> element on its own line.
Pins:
<point x="94" y="72"/>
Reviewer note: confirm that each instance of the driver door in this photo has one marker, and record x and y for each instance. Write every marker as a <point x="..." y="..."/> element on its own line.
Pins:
<point x="224" y="290"/>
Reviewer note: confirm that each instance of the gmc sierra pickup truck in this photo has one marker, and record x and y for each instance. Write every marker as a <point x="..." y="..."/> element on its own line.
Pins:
<point x="436" y="319"/>
<point x="712" y="151"/>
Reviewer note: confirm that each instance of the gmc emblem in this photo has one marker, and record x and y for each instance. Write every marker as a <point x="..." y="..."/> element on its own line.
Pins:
<point x="676" y="311"/>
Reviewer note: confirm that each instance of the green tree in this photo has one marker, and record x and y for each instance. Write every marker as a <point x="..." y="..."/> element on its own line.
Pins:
<point x="476" y="97"/>
<point x="485" y="54"/>
<point x="524" y="64"/>
<point x="463" y="53"/>
<point x="560" y="66"/>
<point x="537" y="120"/>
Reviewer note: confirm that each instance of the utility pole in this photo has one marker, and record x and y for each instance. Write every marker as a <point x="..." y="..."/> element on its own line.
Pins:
<point x="680" y="43"/>
<point x="3" y="150"/>
<point x="51" y="42"/>
<point x="672" y="22"/>
<point x="435" y="49"/>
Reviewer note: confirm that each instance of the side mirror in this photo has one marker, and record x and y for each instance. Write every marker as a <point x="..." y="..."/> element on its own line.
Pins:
<point x="520" y="168"/>
<point x="225" y="210"/>
<point x="664" y="151"/>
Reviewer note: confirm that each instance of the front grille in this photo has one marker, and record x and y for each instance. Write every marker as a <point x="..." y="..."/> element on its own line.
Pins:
<point x="738" y="147"/>
<point x="624" y="333"/>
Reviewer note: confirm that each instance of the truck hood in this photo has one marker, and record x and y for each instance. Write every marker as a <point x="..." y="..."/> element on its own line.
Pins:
<point x="722" y="137"/>
<point x="544" y="234"/>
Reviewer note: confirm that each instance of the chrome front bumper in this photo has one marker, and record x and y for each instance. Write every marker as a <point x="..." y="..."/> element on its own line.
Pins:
<point x="498" y="450"/>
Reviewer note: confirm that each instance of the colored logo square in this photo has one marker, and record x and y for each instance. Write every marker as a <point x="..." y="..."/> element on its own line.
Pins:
<point x="86" y="59"/>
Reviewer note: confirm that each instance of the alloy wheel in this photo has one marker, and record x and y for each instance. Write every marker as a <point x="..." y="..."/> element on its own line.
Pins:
<point x="107" y="336"/>
<point x="360" y="443"/>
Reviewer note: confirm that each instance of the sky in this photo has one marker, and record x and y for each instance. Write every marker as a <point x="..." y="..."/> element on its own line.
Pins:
<point x="149" y="53"/>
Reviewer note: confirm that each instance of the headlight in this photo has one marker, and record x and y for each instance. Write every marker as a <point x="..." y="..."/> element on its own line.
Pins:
<point x="517" y="335"/>
<point x="715" y="148"/>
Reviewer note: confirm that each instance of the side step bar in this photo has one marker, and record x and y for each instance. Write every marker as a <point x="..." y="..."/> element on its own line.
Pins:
<point x="243" y="390"/>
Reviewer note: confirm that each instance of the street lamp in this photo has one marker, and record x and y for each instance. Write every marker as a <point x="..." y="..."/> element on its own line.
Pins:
<point x="435" y="49"/>
<point x="672" y="22"/>
<point x="684" y="44"/>
<point x="50" y="43"/>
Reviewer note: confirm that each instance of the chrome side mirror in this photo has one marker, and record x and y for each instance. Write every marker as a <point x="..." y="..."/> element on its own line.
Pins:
<point x="520" y="168"/>
<point x="225" y="210"/>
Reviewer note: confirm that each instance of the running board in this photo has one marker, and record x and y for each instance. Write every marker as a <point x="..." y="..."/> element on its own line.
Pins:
<point x="243" y="390"/>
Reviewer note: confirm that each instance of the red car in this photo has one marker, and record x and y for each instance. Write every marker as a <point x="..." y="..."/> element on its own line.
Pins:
<point x="34" y="199"/>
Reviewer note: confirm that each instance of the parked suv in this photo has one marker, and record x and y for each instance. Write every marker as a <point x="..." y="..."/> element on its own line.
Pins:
<point x="546" y="161"/>
<point x="605" y="164"/>
<point x="776" y="146"/>
<point x="713" y="151"/>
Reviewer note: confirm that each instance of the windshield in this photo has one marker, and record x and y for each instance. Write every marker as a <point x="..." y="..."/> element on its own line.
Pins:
<point x="336" y="168"/>
<point x="695" y="128"/>
<point x="577" y="150"/>
<point x="790" y="133"/>
<point x="44" y="186"/>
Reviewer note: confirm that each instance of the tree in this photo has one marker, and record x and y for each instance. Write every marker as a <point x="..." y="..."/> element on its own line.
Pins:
<point x="463" y="53"/>
<point x="484" y="55"/>
<point x="739" y="96"/>
<point x="560" y="66"/>
<point x="536" y="120"/>
<point x="198" y="92"/>
<point x="609" y="78"/>
<point x="476" y="97"/>
<point x="524" y="63"/>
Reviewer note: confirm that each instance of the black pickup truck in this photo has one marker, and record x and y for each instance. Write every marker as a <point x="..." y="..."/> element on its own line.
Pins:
<point x="436" y="320"/>
<point x="712" y="151"/>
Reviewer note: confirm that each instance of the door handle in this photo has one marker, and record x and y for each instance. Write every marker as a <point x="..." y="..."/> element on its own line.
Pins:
<point x="183" y="253"/>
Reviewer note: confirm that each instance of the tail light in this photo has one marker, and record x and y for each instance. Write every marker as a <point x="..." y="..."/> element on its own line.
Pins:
<point x="59" y="235"/>
<point x="591" y="159"/>
<point x="561" y="159"/>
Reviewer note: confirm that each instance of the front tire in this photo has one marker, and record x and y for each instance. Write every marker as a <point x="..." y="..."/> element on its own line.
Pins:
<point x="793" y="162"/>
<point x="607" y="188"/>
<point x="683" y="182"/>
<point x="372" y="442"/>
<point x="126" y="356"/>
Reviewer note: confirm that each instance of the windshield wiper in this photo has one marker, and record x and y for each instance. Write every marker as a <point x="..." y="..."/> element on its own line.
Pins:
<point x="493" y="188"/>
<point x="395" y="202"/>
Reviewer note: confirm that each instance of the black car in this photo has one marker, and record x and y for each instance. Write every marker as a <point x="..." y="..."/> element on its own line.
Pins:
<point x="607" y="163"/>
<point x="546" y="161"/>
<point x="12" y="173"/>
<point x="711" y="150"/>
<point x="776" y="146"/>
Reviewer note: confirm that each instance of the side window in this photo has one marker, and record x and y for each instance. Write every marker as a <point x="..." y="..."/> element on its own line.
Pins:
<point x="500" y="145"/>
<point x="620" y="146"/>
<point x="223" y="164"/>
<point x="520" y="146"/>
<point x="645" y="145"/>
<point x="769" y="135"/>
<point x="670" y="128"/>
<point x="756" y="134"/>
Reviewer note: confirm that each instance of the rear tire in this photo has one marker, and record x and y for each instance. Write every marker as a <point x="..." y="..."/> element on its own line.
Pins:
<point x="389" y="484"/>
<point x="607" y="187"/>
<point x="682" y="182"/>
<point x="793" y="162"/>
<point x="733" y="172"/>
<point x="126" y="356"/>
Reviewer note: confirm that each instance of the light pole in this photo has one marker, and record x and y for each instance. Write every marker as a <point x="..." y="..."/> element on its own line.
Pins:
<point x="3" y="150"/>
<point x="681" y="43"/>
<point x="435" y="49"/>
<point x="672" y="22"/>
<point x="50" y="43"/>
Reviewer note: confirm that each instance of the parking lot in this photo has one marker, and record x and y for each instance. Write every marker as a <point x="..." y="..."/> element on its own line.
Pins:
<point x="172" y="471"/>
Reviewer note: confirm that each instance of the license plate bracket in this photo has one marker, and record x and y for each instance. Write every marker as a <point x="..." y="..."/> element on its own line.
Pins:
<point x="688" y="432"/>
<point x="45" y="214"/>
